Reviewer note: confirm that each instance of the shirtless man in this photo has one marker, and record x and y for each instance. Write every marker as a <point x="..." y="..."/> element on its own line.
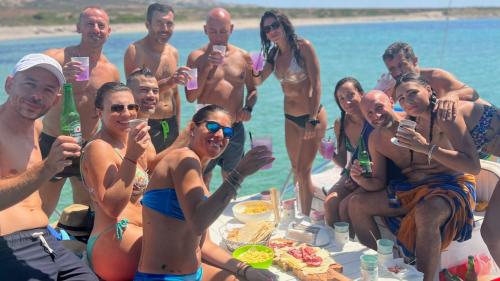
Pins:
<point x="222" y="78"/>
<point x="400" y="59"/>
<point x="93" y="25"/>
<point x="161" y="58"/>
<point x="27" y="250"/>
<point x="434" y="204"/>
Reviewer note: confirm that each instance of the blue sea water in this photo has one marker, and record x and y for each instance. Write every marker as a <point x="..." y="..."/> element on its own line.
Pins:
<point x="467" y="48"/>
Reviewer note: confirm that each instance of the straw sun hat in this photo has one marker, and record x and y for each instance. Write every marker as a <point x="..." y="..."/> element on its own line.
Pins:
<point x="76" y="219"/>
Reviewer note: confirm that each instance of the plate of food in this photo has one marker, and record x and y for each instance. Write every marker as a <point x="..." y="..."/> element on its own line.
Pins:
<point x="304" y="261"/>
<point x="398" y="269"/>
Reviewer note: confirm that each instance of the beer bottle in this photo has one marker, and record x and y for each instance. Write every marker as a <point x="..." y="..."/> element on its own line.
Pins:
<point x="70" y="125"/>
<point x="364" y="158"/>
<point x="471" y="272"/>
<point x="70" y="118"/>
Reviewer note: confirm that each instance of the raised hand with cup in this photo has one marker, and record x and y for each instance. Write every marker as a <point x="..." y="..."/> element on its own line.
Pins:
<point x="327" y="148"/>
<point x="77" y="69"/>
<point x="266" y="141"/>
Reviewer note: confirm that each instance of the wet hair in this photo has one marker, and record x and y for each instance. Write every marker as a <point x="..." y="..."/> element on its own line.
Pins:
<point x="162" y="8"/>
<point x="266" y="44"/>
<point x="82" y="13"/>
<point x="359" y="88"/>
<point x="413" y="77"/>
<point x="106" y="89"/>
<point x="399" y="47"/>
<point x="201" y="115"/>
<point x="143" y="71"/>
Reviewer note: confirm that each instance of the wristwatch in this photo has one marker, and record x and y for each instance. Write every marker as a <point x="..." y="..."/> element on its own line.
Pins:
<point x="313" y="122"/>
<point x="248" y="108"/>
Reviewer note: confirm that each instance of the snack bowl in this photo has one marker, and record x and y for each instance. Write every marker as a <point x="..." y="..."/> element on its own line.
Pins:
<point x="232" y="245"/>
<point x="257" y="256"/>
<point x="253" y="210"/>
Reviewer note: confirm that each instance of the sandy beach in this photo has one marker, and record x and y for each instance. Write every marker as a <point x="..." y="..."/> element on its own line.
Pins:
<point x="23" y="32"/>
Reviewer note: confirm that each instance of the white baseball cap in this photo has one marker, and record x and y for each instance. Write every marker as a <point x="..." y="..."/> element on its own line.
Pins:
<point x="40" y="60"/>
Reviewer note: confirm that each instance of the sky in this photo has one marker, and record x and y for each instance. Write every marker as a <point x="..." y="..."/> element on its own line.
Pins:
<point x="367" y="3"/>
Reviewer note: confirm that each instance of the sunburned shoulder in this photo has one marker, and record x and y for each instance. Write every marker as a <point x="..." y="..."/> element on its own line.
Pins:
<point x="56" y="53"/>
<point x="179" y="154"/>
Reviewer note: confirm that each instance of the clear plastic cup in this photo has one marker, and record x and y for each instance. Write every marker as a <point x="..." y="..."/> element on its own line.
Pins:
<point x="384" y="246"/>
<point x="268" y="142"/>
<point x="257" y="61"/>
<point x="84" y="63"/>
<point x="327" y="148"/>
<point x="220" y="48"/>
<point x="192" y="84"/>
<point x="341" y="232"/>
<point x="405" y="123"/>
<point x="369" y="267"/>
<point x="132" y="123"/>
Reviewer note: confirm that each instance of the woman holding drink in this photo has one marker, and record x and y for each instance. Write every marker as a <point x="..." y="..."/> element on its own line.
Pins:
<point x="348" y="130"/>
<point x="295" y="64"/>
<point x="114" y="166"/>
<point x="178" y="207"/>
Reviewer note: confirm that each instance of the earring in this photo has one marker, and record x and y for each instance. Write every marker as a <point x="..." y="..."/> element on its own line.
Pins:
<point x="192" y="134"/>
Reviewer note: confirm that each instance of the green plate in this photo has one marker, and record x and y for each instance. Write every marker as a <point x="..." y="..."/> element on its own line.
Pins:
<point x="262" y="265"/>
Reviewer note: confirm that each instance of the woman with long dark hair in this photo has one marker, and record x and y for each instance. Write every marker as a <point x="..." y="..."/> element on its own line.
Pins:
<point x="349" y="129"/>
<point x="295" y="64"/>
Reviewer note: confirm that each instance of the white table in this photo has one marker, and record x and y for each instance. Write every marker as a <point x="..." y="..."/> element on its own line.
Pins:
<point x="348" y="256"/>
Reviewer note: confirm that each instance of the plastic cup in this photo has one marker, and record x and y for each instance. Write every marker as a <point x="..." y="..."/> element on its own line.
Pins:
<point x="327" y="148"/>
<point x="257" y="61"/>
<point x="384" y="246"/>
<point x="405" y="123"/>
<point x="369" y="267"/>
<point x="192" y="84"/>
<point x="341" y="232"/>
<point x="84" y="63"/>
<point x="268" y="142"/>
<point x="132" y="123"/>
<point x="220" y="48"/>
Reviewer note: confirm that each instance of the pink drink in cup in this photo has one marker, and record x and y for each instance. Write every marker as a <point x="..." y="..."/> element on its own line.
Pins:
<point x="268" y="142"/>
<point x="327" y="148"/>
<point x="84" y="64"/>
<point x="192" y="84"/>
<point x="257" y="61"/>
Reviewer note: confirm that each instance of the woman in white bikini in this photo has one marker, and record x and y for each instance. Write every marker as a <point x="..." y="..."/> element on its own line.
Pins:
<point x="295" y="64"/>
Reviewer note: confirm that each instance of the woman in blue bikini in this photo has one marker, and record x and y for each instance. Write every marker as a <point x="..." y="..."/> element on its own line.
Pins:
<point x="178" y="209"/>
<point x="295" y="64"/>
<point x="114" y="166"/>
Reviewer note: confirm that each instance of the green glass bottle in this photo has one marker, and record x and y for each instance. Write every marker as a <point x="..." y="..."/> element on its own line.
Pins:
<point x="470" y="275"/>
<point x="70" y="118"/>
<point x="364" y="158"/>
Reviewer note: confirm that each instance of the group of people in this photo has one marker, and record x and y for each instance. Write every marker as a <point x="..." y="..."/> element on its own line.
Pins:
<point x="422" y="178"/>
<point x="147" y="182"/>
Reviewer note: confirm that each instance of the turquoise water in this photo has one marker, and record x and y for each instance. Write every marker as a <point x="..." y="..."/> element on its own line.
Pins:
<point x="470" y="51"/>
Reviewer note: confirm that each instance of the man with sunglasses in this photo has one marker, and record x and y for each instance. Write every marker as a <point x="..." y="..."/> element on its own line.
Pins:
<point x="93" y="25"/>
<point x="224" y="71"/>
<point x="155" y="53"/>
<point x="27" y="250"/>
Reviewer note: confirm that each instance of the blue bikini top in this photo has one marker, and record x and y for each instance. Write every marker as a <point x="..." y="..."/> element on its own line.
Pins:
<point x="165" y="202"/>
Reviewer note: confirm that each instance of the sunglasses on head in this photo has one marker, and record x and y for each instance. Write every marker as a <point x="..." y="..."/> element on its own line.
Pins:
<point x="213" y="127"/>
<point x="121" y="107"/>
<point x="272" y="26"/>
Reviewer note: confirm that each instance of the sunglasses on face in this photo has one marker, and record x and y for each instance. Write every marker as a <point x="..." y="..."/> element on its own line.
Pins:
<point x="213" y="127"/>
<point x="119" y="108"/>
<point x="272" y="26"/>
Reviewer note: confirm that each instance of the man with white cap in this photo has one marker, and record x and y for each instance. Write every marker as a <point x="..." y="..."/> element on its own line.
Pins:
<point x="27" y="250"/>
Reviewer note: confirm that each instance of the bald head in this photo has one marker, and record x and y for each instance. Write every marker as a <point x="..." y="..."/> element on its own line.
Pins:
<point x="377" y="108"/>
<point x="93" y="10"/>
<point x="219" y="14"/>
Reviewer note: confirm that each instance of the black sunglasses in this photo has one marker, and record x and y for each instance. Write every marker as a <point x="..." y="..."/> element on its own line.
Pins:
<point x="213" y="127"/>
<point x="121" y="107"/>
<point x="272" y="26"/>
